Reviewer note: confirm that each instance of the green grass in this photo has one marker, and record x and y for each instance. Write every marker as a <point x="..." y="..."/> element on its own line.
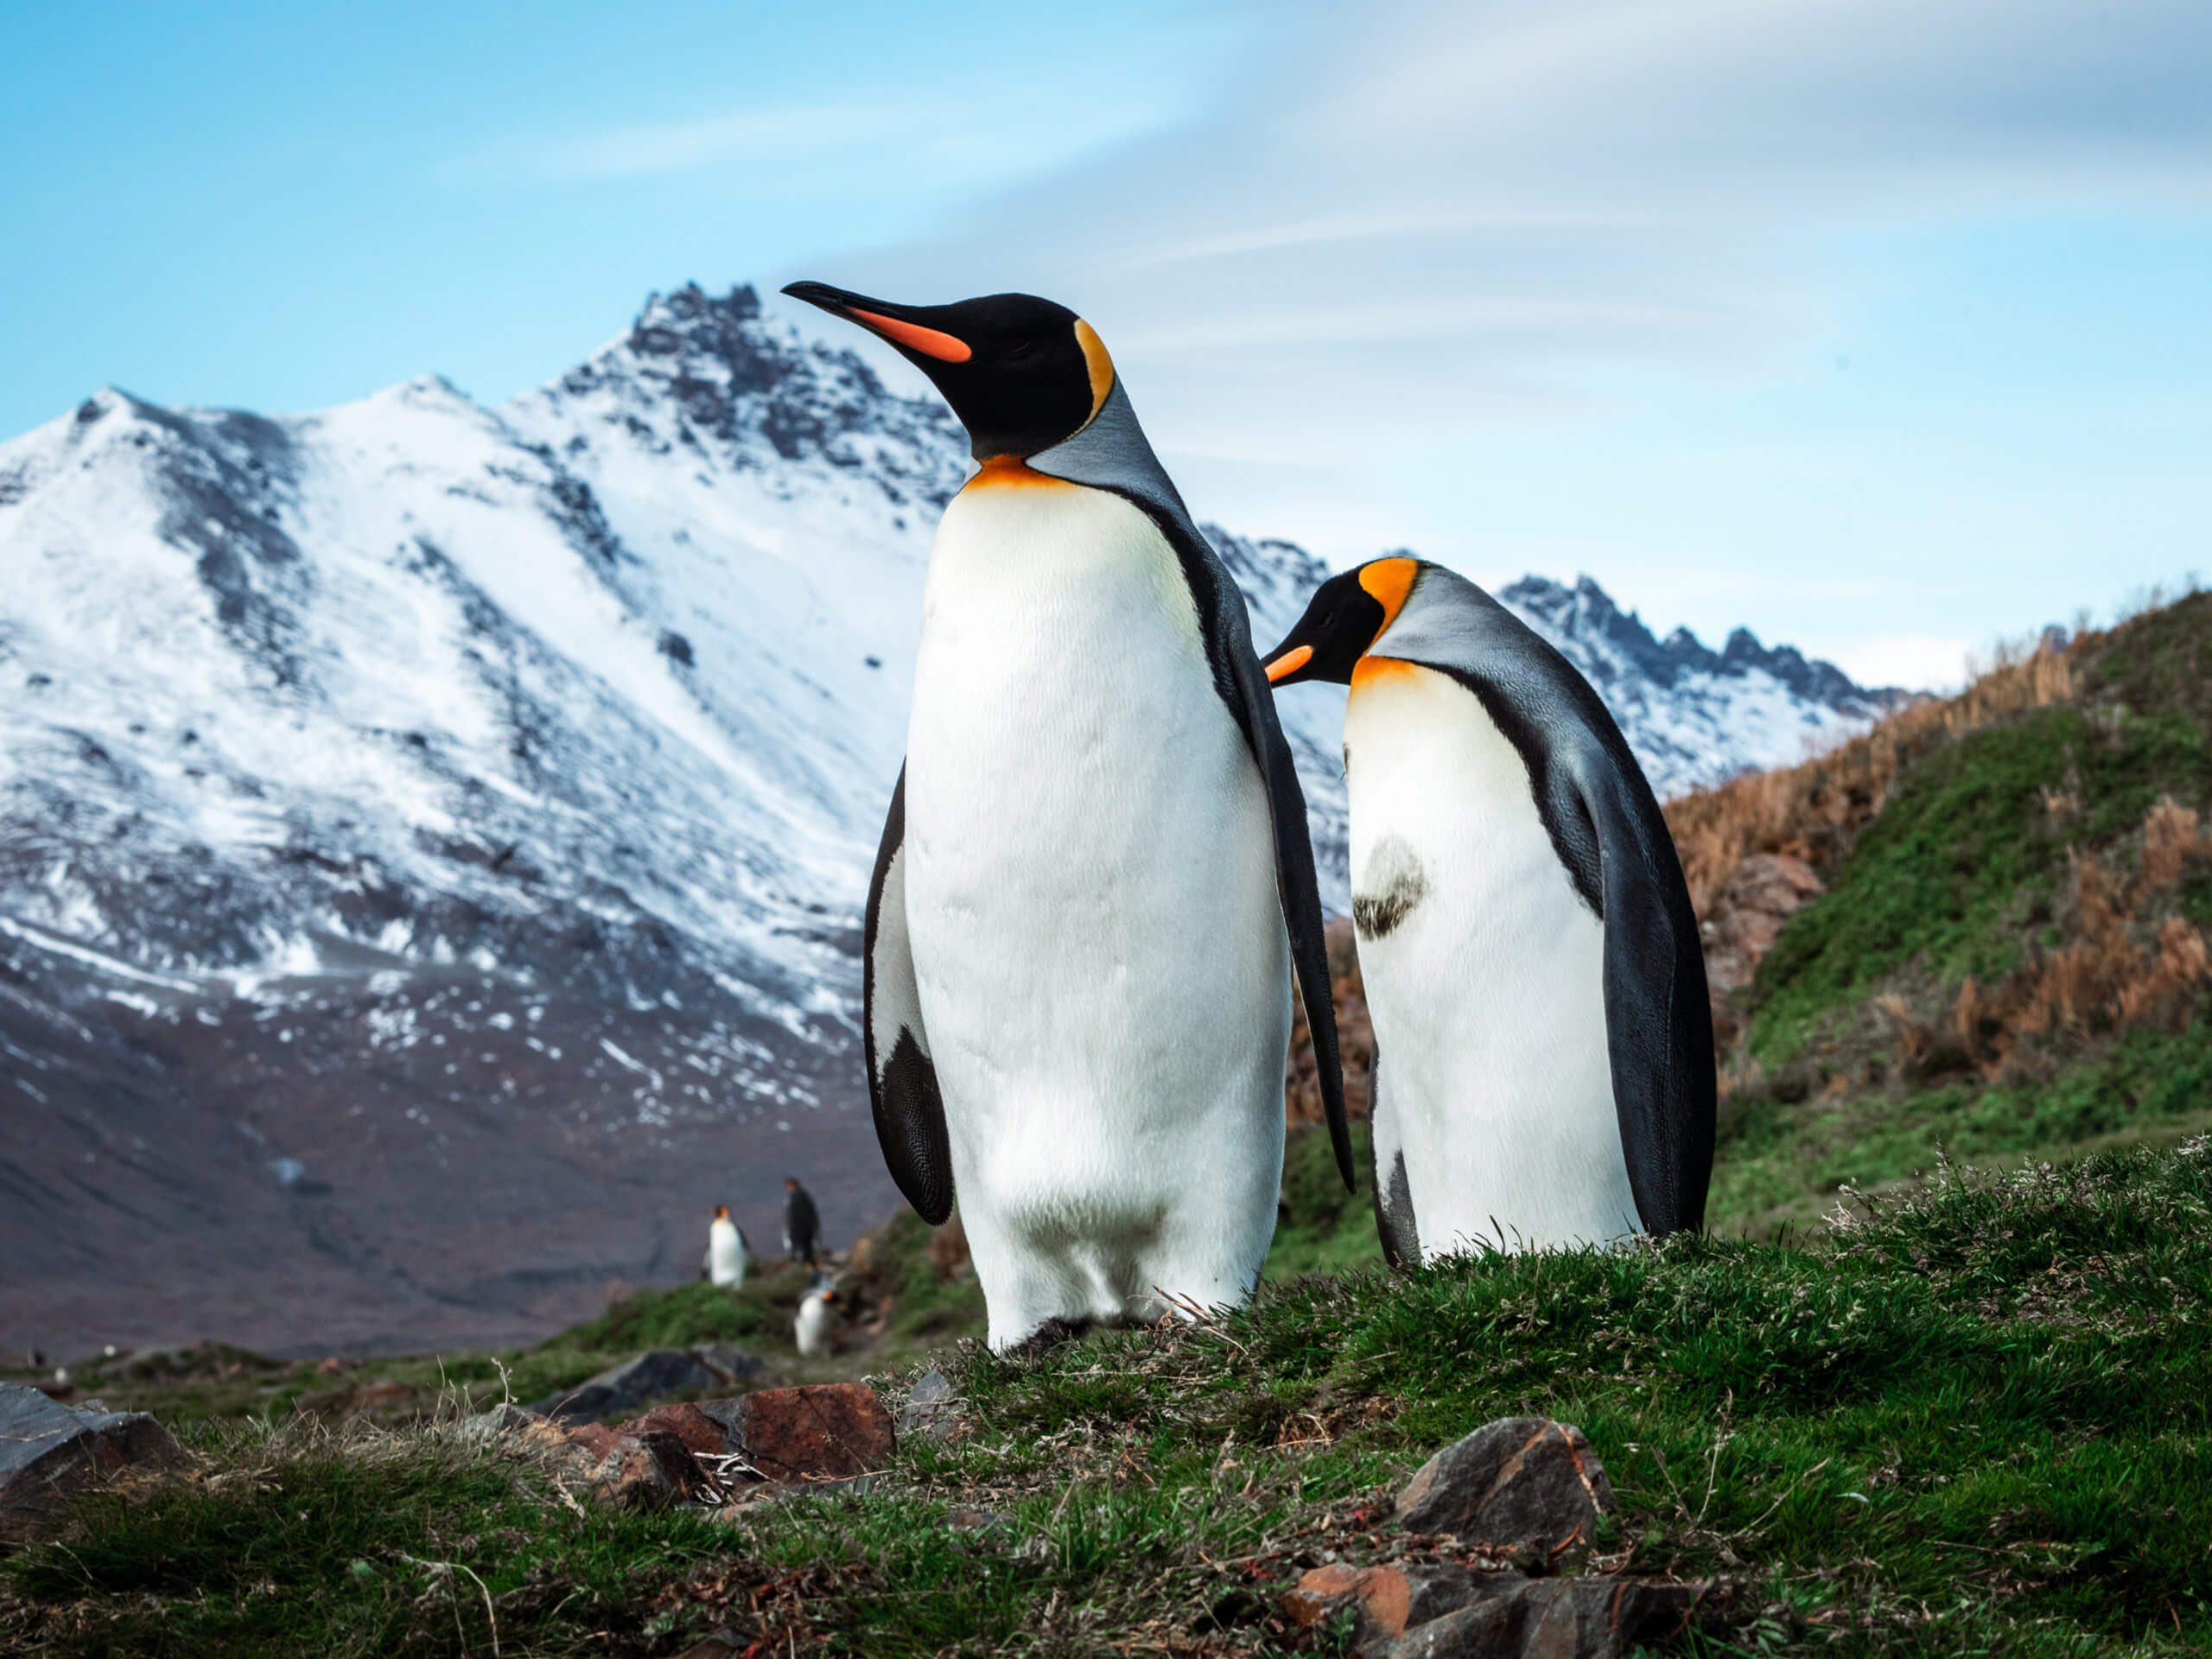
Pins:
<point x="1322" y="1228"/>
<point x="1965" y="861"/>
<point x="1974" y="1422"/>
<point x="1779" y="1162"/>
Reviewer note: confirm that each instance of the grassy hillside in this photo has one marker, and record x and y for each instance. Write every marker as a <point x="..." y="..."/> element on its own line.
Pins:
<point x="1972" y="1422"/>
<point x="2009" y="962"/>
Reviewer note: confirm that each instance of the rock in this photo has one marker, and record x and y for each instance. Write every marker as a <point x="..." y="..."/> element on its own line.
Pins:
<point x="629" y="1385"/>
<point x="49" y="1450"/>
<point x="829" y="1434"/>
<point x="728" y="1364"/>
<point x="825" y="1432"/>
<point x="701" y="1435"/>
<point x="623" y="1471"/>
<point x="497" y="1424"/>
<point x="1761" y="894"/>
<point x="648" y="1471"/>
<point x="932" y="1407"/>
<point x="1520" y="1482"/>
<point x="1390" y="1599"/>
<point x="1547" y="1618"/>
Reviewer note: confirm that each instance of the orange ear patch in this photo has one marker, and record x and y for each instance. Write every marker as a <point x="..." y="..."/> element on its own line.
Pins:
<point x="1388" y="581"/>
<point x="1100" y="365"/>
<point x="1289" y="663"/>
<point x="915" y="338"/>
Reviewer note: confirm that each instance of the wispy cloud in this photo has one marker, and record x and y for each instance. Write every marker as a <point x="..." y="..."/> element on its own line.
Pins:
<point x="751" y="134"/>
<point x="971" y="141"/>
<point x="1421" y="224"/>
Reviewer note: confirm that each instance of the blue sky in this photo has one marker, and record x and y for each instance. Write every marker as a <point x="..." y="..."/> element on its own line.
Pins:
<point x="1876" y="325"/>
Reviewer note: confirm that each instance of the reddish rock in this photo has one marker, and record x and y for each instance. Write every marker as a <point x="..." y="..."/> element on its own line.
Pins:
<point x="1389" y="1598"/>
<point x="647" y="1471"/>
<point x="627" y="1470"/>
<point x="700" y="1434"/>
<point x="826" y="1432"/>
<point x="1761" y="895"/>
<point x="1520" y="1482"/>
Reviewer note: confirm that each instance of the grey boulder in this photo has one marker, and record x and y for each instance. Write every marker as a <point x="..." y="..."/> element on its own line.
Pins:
<point x="1518" y="1484"/>
<point x="626" y="1387"/>
<point x="932" y="1407"/>
<point x="49" y="1451"/>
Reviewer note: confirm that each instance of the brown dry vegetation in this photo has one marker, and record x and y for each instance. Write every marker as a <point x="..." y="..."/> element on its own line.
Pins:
<point x="1814" y="810"/>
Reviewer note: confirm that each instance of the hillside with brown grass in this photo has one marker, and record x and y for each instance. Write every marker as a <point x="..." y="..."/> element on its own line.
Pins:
<point x="1976" y="931"/>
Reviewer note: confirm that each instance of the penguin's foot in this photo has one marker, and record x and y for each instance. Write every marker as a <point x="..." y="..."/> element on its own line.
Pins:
<point x="1050" y="1335"/>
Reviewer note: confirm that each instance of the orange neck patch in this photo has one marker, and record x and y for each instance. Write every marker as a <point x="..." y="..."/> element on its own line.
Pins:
<point x="1376" y="671"/>
<point x="1012" y="472"/>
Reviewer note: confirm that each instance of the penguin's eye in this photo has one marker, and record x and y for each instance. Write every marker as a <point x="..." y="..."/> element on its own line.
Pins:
<point x="1020" y="349"/>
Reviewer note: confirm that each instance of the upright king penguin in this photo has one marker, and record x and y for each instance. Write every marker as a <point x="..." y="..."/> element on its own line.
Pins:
<point x="1077" y="985"/>
<point x="1543" y="1058"/>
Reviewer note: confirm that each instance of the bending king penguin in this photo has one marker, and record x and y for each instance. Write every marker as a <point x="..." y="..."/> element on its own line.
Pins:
<point x="1543" y="1046"/>
<point x="1077" y="986"/>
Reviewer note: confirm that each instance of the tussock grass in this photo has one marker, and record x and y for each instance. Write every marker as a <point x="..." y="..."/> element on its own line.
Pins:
<point x="1973" y="1421"/>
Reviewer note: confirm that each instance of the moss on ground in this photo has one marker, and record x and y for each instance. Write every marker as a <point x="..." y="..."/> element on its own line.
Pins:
<point x="1972" y="1422"/>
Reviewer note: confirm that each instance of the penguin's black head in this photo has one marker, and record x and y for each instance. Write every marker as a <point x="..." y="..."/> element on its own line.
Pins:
<point x="1021" y="373"/>
<point x="1344" y="618"/>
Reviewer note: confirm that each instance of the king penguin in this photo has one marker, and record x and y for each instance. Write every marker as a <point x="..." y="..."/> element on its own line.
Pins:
<point x="1543" y="1059"/>
<point x="726" y="1250"/>
<point x="1095" y="876"/>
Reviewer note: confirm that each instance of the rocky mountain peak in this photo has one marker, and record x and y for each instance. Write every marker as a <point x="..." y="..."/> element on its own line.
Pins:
<point x="723" y="377"/>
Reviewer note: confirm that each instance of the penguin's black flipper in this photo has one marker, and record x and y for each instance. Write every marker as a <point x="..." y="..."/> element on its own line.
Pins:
<point x="1658" y="1022"/>
<point x="1394" y="1223"/>
<point x="902" y="1087"/>
<point x="1110" y="452"/>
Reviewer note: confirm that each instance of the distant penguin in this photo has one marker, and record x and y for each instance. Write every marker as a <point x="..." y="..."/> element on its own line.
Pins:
<point x="817" y="1315"/>
<point x="801" y="1222"/>
<point x="726" y="1250"/>
<point x="1543" y="1059"/>
<point x="1077" y="982"/>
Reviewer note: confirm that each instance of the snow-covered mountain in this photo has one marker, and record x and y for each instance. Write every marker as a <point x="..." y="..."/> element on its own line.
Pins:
<point x="432" y="837"/>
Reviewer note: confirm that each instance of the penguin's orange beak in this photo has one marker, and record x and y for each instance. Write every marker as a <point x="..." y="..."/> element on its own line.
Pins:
<point x="1289" y="663"/>
<point x="881" y="317"/>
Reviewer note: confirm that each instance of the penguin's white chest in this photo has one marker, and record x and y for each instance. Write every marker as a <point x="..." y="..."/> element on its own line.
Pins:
<point x="811" y="1330"/>
<point x="725" y="1254"/>
<point x="1098" y="946"/>
<point x="1485" y="978"/>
